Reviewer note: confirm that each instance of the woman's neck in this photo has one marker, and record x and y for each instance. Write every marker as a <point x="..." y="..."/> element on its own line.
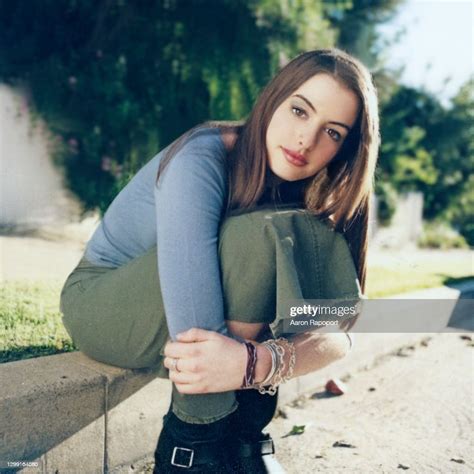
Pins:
<point x="271" y="179"/>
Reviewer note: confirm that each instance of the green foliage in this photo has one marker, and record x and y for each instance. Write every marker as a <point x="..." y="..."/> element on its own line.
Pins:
<point x="460" y="213"/>
<point x="356" y="22"/>
<point x="296" y="430"/>
<point x="439" y="235"/>
<point x="387" y="201"/>
<point x="413" y="165"/>
<point x="428" y="147"/>
<point x="425" y="146"/>
<point x="117" y="81"/>
<point x="412" y="171"/>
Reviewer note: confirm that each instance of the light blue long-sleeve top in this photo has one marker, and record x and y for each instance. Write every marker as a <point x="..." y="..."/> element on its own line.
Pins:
<point x="181" y="215"/>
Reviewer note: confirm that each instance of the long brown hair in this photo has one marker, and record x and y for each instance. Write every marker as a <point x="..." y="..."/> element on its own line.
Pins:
<point x="341" y="191"/>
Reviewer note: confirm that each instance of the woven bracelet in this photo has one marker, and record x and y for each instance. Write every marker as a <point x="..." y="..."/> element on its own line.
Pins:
<point x="249" y="376"/>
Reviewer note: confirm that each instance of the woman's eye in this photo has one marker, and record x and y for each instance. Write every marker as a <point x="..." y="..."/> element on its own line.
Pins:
<point x="336" y="136"/>
<point x="297" y="111"/>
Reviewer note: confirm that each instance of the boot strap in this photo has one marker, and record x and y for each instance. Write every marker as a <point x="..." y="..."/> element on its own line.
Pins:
<point x="261" y="447"/>
<point x="203" y="453"/>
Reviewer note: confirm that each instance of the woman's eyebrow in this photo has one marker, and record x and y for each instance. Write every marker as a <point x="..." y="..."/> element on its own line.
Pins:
<point x="310" y="105"/>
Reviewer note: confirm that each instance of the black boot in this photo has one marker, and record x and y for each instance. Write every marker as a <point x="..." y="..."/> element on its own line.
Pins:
<point x="192" y="448"/>
<point x="255" y="411"/>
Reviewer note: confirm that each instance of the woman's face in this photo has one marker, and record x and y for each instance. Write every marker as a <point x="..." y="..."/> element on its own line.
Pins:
<point x="309" y="127"/>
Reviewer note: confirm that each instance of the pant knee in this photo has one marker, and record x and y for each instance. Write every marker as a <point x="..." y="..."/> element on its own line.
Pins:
<point x="247" y="257"/>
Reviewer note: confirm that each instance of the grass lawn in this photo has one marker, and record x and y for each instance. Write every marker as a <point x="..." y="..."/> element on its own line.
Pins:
<point x="386" y="281"/>
<point x="31" y="322"/>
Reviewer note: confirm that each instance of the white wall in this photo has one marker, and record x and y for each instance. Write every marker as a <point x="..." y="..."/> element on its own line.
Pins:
<point x="406" y="225"/>
<point x="31" y="187"/>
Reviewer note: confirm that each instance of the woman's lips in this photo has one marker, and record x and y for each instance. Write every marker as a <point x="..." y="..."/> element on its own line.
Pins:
<point x="293" y="158"/>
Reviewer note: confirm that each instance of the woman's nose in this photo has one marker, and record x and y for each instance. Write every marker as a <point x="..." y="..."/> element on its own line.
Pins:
<point x="309" y="137"/>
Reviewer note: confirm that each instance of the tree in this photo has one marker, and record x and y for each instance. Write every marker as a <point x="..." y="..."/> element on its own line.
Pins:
<point x="116" y="81"/>
<point x="428" y="147"/>
<point x="457" y="158"/>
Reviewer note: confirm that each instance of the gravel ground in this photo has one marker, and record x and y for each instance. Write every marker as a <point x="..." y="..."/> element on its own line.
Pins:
<point x="412" y="410"/>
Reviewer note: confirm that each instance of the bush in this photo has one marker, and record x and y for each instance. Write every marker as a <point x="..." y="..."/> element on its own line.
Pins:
<point x="439" y="235"/>
<point x="387" y="201"/>
<point x="460" y="212"/>
<point x="116" y="81"/>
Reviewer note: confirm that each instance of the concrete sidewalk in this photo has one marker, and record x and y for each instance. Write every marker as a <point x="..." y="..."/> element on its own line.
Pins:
<point x="411" y="409"/>
<point x="52" y="256"/>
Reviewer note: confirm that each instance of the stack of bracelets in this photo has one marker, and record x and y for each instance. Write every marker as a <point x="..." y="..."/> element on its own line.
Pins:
<point x="283" y="363"/>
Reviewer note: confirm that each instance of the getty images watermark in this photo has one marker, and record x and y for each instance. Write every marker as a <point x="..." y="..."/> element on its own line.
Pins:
<point x="321" y="315"/>
<point x="378" y="315"/>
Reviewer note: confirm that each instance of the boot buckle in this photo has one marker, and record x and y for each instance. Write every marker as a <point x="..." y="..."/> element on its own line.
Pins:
<point x="184" y="455"/>
<point x="267" y="446"/>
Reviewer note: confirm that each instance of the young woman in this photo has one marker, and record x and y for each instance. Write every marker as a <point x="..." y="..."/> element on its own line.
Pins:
<point x="209" y="239"/>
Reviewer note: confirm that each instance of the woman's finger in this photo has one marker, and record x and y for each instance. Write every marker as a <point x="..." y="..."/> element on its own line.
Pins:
<point x="182" y="365"/>
<point x="182" y="350"/>
<point x="196" y="335"/>
<point x="190" y="389"/>
<point x="168" y="363"/>
<point x="183" y="377"/>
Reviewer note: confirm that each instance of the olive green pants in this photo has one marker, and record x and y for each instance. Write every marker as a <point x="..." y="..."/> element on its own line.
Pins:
<point x="116" y="316"/>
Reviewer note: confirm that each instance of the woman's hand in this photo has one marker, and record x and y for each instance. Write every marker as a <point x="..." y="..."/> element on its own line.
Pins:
<point x="207" y="362"/>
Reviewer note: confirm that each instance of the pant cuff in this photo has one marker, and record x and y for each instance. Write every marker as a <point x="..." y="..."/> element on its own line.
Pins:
<point x="199" y="419"/>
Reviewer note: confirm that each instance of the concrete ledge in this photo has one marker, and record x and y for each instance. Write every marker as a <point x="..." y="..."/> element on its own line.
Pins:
<point x="70" y="413"/>
<point x="68" y="410"/>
